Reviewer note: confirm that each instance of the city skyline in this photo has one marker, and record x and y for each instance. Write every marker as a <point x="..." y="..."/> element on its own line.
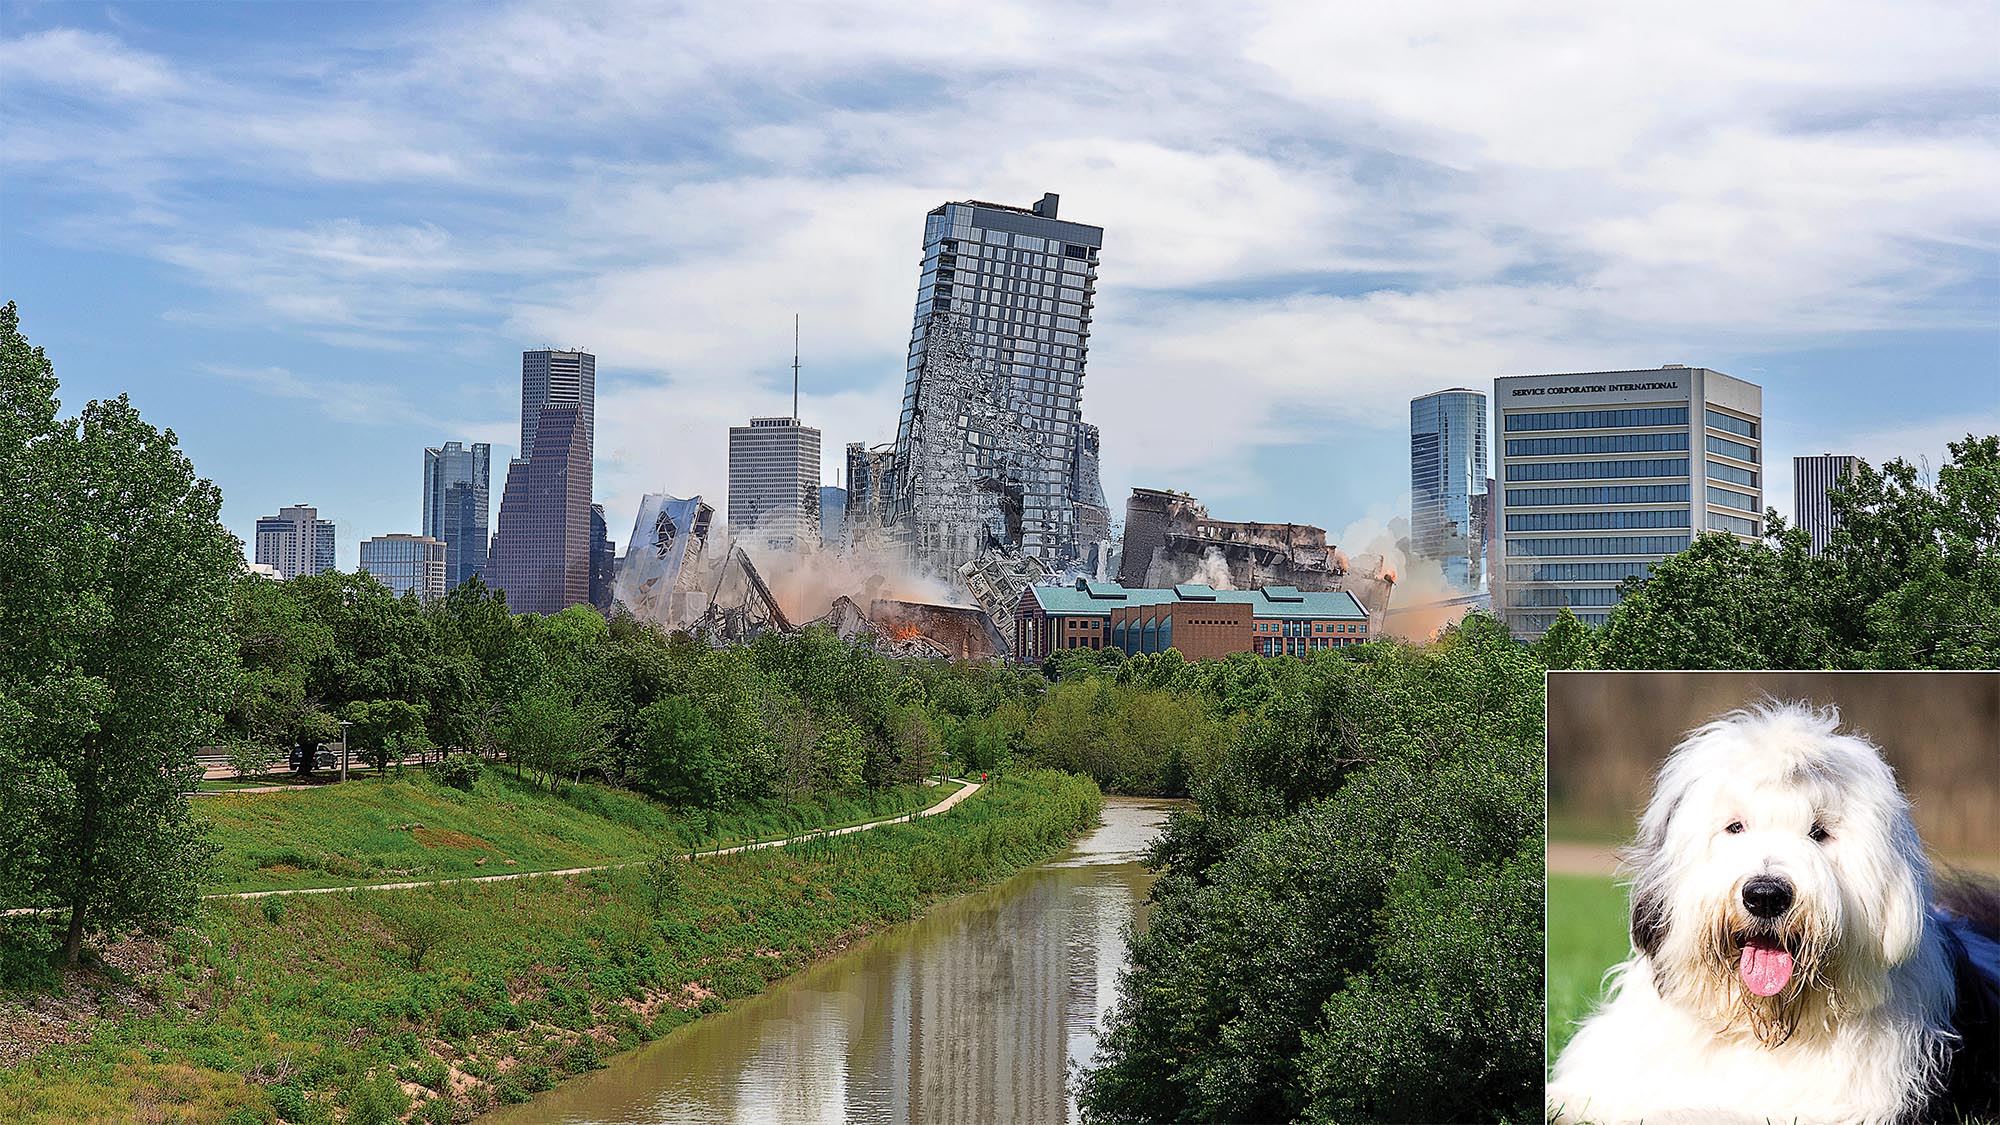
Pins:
<point x="316" y="252"/>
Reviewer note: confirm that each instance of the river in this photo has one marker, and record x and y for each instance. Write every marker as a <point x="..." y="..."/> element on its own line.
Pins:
<point x="975" y="1012"/>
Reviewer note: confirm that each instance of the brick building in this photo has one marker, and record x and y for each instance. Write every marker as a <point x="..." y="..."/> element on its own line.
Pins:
<point x="1199" y="621"/>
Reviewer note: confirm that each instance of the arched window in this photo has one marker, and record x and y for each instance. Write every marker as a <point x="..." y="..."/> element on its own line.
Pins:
<point x="1166" y="632"/>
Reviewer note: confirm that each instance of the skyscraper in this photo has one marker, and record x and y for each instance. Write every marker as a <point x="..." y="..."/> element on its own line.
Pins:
<point x="456" y="509"/>
<point x="406" y="563"/>
<point x="603" y="559"/>
<point x="832" y="514"/>
<point x="1606" y="473"/>
<point x="1448" y="484"/>
<point x="295" y="541"/>
<point x="1812" y="479"/>
<point x="987" y="446"/>
<point x="542" y="542"/>
<point x="868" y="471"/>
<point x="774" y="483"/>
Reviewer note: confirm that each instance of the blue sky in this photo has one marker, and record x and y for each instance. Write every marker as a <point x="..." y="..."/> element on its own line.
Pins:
<point x="314" y="239"/>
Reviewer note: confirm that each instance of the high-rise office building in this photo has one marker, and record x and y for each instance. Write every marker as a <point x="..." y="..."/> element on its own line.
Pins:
<point x="456" y="509"/>
<point x="1448" y="484"/>
<point x="542" y="542"/>
<point x="868" y="471"/>
<point x="774" y="483"/>
<point x="295" y="541"/>
<point x="987" y="445"/>
<point x="1605" y="473"/>
<point x="406" y="563"/>
<point x="1812" y="479"/>
<point x="603" y="559"/>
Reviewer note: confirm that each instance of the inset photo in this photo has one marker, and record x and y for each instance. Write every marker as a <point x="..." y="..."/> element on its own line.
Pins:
<point x="1774" y="896"/>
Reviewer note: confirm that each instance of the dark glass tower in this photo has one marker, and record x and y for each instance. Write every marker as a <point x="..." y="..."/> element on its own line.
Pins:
<point x="541" y="552"/>
<point x="456" y="506"/>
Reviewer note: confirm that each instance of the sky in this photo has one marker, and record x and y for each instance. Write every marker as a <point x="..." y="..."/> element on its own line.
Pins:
<point x="313" y="240"/>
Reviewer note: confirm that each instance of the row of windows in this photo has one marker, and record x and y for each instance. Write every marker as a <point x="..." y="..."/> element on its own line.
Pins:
<point x="1526" y="623"/>
<point x="1599" y="494"/>
<point x="1662" y="441"/>
<point x="1719" y="471"/>
<point x="1742" y="502"/>
<point x="1735" y="449"/>
<point x="1717" y="420"/>
<point x="1276" y="646"/>
<point x="1598" y="419"/>
<point x="1598" y="545"/>
<point x="1737" y="524"/>
<point x="1600" y="470"/>
<point x="1596" y="521"/>
<point x="1303" y="628"/>
<point x="1578" y="572"/>
<point x="1546" y="598"/>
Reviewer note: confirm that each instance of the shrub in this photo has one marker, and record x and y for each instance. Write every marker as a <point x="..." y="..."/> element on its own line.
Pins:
<point x="274" y="909"/>
<point x="460" y="771"/>
<point x="376" y="1101"/>
<point x="289" y="1102"/>
<point x="417" y="929"/>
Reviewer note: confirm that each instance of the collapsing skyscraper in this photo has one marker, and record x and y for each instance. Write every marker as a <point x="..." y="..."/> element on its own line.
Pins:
<point x="991" y="450"/>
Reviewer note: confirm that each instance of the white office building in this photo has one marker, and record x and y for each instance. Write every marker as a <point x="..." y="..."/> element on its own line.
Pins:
<point x="295" y="542"/>
<point x="1604" y="473"/>
<point x="774" y="483"/>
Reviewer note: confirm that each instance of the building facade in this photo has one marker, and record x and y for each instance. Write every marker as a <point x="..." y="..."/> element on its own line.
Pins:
<point x="1812" y="479"/>
<point x="603" y="559"/>
<point x="832" y="515"/>
<point x="867" y="480"/>
<point x="1603" y="474"/>
<point x="987" y="452"/>
<point x="541" y="552"/>
<point x="417" y="564"/>
<point x="774" y="483"/>
<point x="456" y="511"/>
<point x="1198" y="621"/>
<point x="295" y="541"/>
<point x="1448" y="484"/>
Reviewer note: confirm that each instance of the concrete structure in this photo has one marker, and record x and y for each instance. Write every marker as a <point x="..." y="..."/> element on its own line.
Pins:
<point x="295" y="541"/>
<point x="541" y="552"/>
<point x="1448" y="484"/>
<point x="774" y="483"/>
<point x="987" y="449"/>
<point x="1197" y="620"/>
<point x="408" y="563"/>
<point x="1812" y="479"/>
<point x="832" y="515"/>
<point x="603" y="559"/>
<point x="1605" y="473"/>
<point x="456" y="510"/>
<point x="867" y="479"/>
<point x="669" y="537"/>
<point x="1170" y="538"/>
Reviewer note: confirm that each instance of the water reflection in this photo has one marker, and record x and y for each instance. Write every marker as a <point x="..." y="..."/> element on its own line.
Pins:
<point x="972" y="1013"/>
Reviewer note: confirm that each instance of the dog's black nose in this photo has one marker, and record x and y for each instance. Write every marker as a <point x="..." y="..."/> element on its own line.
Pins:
<point x="1767" y="896"/>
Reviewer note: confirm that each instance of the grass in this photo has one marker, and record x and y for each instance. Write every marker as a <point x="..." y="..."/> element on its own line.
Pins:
<point x="1588" y="932"/>
<point x="317" y="1003"/>
<point x="387" y="830"/>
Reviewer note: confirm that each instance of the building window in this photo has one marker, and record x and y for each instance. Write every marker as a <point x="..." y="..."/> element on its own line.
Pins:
<point x="1720" y="421"/>
<point x="1597" y="419"/>
<point x="1736" y="449"/>
<point x="1598" y="545"/>
<point x="1600" y="470"/>
<point x="1719" y="471"/>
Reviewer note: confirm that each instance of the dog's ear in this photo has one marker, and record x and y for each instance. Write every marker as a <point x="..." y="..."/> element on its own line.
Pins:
<point x="1895" y="914"/>
<point x="1649" y="921"/>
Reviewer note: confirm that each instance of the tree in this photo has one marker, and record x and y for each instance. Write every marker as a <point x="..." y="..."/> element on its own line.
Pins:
<point x="1568" y="643"/>
<point x="677" y="757"/>
<point x="115" y="656"/>
<point x="386" y="730"/>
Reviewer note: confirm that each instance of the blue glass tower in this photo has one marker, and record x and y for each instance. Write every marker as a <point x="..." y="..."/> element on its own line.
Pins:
<point x="1448" y="484"/>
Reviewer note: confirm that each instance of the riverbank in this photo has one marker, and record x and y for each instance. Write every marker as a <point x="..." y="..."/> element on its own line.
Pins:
<point x="439" y="1003"/>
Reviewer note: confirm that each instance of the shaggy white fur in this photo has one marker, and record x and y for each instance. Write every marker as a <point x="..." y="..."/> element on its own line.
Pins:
<point x="1786" y="963"/>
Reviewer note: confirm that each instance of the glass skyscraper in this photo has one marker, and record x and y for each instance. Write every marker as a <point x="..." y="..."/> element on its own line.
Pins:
<point x="456" y="506"/>
<point x="1448" y="484"/>
<point x="406" y="563"/>
<point x="542" y="542"/>
<point x="1605" y="473"/>
<point x="986" y="448"/>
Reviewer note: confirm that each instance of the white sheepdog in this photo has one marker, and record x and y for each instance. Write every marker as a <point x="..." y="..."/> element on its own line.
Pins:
<point x="1792" y="960"/>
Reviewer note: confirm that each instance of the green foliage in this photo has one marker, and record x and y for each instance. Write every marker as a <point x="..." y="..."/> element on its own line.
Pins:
<point x="1349" y="925"/>
<point x="114" y="654"/>
<point x="460" y="771"/>
<point x="289" y="1102"/>
<point x="386" y="730"/>
<point x="417" y="928"/>
<point x="1910" y="580"/>
<point x="376" y="1100"/>
<point x="678" y="754"/>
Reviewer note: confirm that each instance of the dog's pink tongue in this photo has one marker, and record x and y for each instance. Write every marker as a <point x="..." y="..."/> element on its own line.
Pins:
<point x="1765" y="967"/>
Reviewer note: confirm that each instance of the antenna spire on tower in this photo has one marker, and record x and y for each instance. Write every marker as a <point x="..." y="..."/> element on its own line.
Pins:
<point x="795" y="367"/>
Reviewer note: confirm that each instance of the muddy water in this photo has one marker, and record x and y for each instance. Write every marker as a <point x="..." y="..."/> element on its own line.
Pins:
<point x="976" y="1012"/>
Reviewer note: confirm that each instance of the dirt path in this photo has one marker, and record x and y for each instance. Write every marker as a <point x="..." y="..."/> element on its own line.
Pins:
<point x="967" y="790"/>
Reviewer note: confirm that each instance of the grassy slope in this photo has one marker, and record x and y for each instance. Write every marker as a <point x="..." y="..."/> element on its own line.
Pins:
<point x="315" y="996"/>
<point x="376" y="831"/>
<point x="1588" y="933"/>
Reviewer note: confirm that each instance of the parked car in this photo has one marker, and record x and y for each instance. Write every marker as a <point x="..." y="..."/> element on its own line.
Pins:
<point x="323" y="759"/>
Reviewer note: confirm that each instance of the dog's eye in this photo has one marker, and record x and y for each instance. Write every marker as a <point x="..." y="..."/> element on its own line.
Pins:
<point x="1818" y="834"/>
<point x="1735" y="826"/>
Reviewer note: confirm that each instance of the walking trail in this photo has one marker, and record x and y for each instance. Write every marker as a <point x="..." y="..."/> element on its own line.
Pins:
<point x="968" y="789"/>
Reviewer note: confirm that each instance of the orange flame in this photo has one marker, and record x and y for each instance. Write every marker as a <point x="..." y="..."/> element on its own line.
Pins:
<point x="904" y="632"/>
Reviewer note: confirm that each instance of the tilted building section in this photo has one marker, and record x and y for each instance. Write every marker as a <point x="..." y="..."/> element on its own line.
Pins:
<point x="1171" y="538"/>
